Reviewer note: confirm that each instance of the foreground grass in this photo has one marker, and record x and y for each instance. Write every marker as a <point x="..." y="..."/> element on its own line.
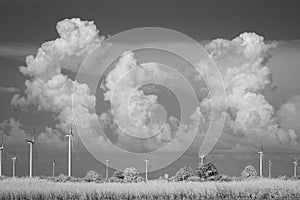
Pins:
<point x="25" y="188"/>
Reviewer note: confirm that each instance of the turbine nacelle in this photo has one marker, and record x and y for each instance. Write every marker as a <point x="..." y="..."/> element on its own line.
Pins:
<point x="2" y="146"/>
<point x="295" y="162"/>
<point x="30" y="141"/>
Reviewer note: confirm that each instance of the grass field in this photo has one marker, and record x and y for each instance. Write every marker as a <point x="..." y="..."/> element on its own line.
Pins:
<point x="25" y="188"/>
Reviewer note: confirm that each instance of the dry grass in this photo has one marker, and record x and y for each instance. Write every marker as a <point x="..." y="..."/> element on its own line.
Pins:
<point x="25" y="188"/>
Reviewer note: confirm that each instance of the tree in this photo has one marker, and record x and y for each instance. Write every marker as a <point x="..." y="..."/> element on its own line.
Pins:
<point x="130" y="174"/>
<point x="207" y="171"/>
<point x="184" y="173"/>
<point x="92" y="176"/>
<point x="249" y="172"/>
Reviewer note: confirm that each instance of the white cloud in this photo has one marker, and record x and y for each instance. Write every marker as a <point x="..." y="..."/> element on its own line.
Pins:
<point x="289" y="113"/>
<point x="48" y="89"/>
<point x="15" y="134"/>
<point x="242" y="62"/>
<point x="243" y="65"/>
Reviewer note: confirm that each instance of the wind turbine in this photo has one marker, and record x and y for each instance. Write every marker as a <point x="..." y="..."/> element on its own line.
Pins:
<point x="14" y="159"/>
<point x="106" y="170"/>
<point x="146" y="161"/>
<point x="261" y="154"/>
<point x="270" y="168"/>
<point x="70" y="136"/>
<point x="53" y="168"/>
<point x="31" y="143"/>
<point x="1" y="149"/>
<point x="295" y="167"/>
<point x="201" y="160"/>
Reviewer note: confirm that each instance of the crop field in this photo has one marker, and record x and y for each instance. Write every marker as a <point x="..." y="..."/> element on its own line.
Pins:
<point x="35" y="188"/>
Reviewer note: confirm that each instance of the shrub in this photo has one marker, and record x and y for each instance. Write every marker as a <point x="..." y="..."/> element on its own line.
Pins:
<point x="282" y="177"/>
<point x="130" y="174"/>
<point x="92" y="176"/>
<point x="62" y="178"/>
<point x="183" y="174"/>
<point x="225" y="178"/>
<point x="75" y="179"/>
<point x="194" y="179"/>
<point x="249" y="172"/>
<point x="115" y="180"/>
<point x="208" y="171"/>
<point x="166" y="176"/>
<point x="118" y="174"/>
<point x="140" y="179"/>
<point x="297" y="177"/>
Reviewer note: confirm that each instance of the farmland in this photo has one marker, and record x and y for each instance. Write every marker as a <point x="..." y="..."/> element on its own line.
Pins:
<point x="36" y="188"/>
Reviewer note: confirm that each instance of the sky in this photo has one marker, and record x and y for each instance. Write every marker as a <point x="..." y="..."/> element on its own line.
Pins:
<point x="265" y="76"/>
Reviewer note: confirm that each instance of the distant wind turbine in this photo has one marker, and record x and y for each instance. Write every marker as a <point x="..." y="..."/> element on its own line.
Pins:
<point x="146" y="174"/>
<point x="295" y="167"/>
<point x="1" y="149"/>
<point x="70" y="136"/>
<point x="106" y="169"/>
<point x="53" y="168"/>
<point x="261" y="154"/>
<point x="201" y="160"/>
<point x="14" y="159"/>
<point x="31" y="143"/>
<point x="270" y="168"/>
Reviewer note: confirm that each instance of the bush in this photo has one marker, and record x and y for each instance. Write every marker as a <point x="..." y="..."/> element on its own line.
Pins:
<point x="249" y="172"/>
<point x="118" y="174"/>
<point x="62" y="178"/>
<point x="183" y="174"/>
<point x="92" y="176"/>
<point x="115" y="180"/>
<point x="130" y="174"/>
<point x="140" y="179"/>
<point x="166" y="176"/>
<point x="3" y="177"/>
<point x="282" y="177"/>
<point x="75" y="179"/>
<point x="297" y="177"/>
<point x="208" y="171"/>
<point x="194" y="179"/>
<point x="225" y="178"/>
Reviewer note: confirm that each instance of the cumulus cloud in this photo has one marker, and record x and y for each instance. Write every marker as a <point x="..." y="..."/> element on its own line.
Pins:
<point x="243" y="65"/>
<point x="48" y="89"/>
<point x="289" y="113"/>
<point x="14" y="132"/>
<point x="136" y="113"/>
<point x="242" y="62"/>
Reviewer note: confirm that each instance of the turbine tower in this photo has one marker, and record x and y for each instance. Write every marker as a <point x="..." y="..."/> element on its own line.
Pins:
<point x="53" y="168"/>
<point x="69" y="136"/>
<point x="31" y="143"/>
<point x="270" y="168"/>
<point x="106" y="169"/>
<point x="1" y="149"/>
<point x="261" y="154"/>
<point x="14" y="159"/>
<point x="295" y="167"/>
<point x="146" y="174"/>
